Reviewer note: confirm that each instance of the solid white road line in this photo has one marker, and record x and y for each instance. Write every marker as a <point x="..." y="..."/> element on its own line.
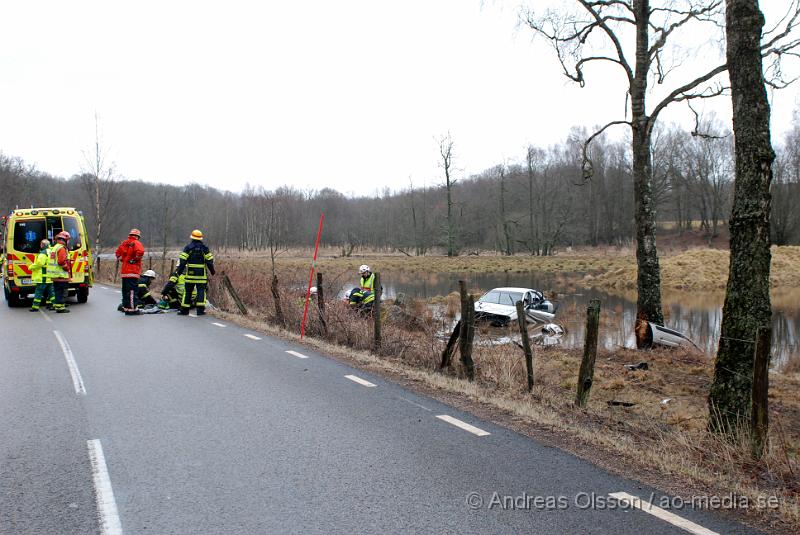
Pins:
<point x="298" y="355"/>
<point x="675" y="520"/>
<point x="359" y="380"/>
<point x="463" y="425"/>
<point x="217" y="324"/>
<point x="106" y="505"/>
<point x="252" y="337"/>
<point x="77" y="380"/>
<point x="45" y="316"/>
<point x="415" y="404"/>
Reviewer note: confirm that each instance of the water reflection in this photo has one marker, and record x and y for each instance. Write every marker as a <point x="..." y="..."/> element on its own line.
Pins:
<point x="696" y="314"/>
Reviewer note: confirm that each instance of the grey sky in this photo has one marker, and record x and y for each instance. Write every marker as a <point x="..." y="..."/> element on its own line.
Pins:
<point x="349" y="95"/>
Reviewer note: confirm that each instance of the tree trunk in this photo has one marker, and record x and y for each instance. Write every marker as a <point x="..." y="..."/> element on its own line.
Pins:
<point x="747" y="303"/>
<point x="648" y="304"/>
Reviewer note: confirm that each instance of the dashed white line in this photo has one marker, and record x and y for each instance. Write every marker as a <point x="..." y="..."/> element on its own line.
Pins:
<point x="296" y="354"/>
<point x="45" y="316"/>
<point x="252" y="337"/>
<point x="217" y="324"/>
<point x="106" y="505"/>
<point x="675" y="520"/>
<point x="463" y="425"/>
<point x="359" y="380"/>
<point x="77" y="380"/>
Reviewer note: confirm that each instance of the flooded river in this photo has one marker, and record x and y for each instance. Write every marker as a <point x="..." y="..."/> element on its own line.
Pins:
<point x="696" y="314"/>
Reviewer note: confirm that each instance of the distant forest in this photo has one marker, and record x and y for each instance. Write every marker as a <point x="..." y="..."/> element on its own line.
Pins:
<point x="534" y="205"/>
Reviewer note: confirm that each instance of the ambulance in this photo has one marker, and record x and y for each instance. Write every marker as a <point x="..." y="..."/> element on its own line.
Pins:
<point x="23" y="230"/>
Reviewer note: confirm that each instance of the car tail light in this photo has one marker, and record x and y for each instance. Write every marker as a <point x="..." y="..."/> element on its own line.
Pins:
<point x="10" y="269"/>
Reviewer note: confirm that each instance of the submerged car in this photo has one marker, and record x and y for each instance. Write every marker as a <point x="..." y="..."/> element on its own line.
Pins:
<point x="498" y="306"/>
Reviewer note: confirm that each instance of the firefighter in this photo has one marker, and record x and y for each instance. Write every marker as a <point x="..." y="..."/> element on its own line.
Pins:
<point x="130" y="253"/>
<point x="44" y="286"/>
<point x="172" y="293"/>
<point x="367" y="279"/>
<point x="143" y="296"/>
<point x="59" y="268"/>
<point x="367" y="287"/>
<point x="197" y="260"/>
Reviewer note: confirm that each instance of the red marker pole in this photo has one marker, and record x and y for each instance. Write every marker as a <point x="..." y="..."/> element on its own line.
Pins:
<point x="311" y="277"/>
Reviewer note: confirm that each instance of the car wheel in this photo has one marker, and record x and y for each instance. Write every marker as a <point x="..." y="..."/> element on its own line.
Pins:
<point x="82" y="295"/>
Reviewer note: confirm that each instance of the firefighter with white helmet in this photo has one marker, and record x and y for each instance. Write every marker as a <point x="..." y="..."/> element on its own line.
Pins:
<point x="143" y="296"/>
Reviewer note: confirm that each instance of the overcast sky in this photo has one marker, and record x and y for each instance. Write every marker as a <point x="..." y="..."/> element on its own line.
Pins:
<point x="350" y="95"/>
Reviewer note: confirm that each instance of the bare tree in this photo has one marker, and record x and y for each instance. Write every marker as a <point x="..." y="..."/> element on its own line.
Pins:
<point x="446" y="153"/>
<point x="98" y="179"/>
<point x="747" y="302"/>
<point x="601" y="31"/>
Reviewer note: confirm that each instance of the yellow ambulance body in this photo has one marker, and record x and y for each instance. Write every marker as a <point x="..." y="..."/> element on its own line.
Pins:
<point x="22" y="232"/>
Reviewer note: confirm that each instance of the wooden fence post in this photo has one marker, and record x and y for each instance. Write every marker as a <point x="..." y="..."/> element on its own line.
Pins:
<point x="234" y="295"/>
<point x="447" y="354"/>
<point x="116" y="270"/>
<point x="526" y="342"/>
<point x="277" y="297"/>
<point x="321" y="303"/>
<point x="171" y="267"/>
<point x="149" y="261"/>
<point x="376" y="312"/>
<point x="759" y="417"/>
<point x="586" y="375"/>
<point x="467" y="329"/>
<point x="98" y="266"/>
<point x="320" y="297"/>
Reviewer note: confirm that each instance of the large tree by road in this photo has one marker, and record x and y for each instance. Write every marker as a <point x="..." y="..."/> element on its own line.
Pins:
<point x="635" y="37"/>
<point x="747" y="302"/>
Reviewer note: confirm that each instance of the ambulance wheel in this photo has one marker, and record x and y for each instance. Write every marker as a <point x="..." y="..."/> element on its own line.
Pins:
<point x="82" y="295"/>
<point x="12" y="299"/>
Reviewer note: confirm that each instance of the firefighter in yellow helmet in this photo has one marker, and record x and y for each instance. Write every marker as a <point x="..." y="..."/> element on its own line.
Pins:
<point x="197" y="261"/>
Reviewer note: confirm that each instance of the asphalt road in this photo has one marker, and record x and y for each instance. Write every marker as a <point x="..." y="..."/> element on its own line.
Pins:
<point x="163" y="424"/>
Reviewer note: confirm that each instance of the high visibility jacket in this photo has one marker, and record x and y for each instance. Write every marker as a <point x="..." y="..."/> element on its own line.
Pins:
<point x="130" y="253"/>
<point x="368" y="283"/>
<point x="39" y="267"/>
<point x="58" y="267"/>
<point x="197" y="261"/>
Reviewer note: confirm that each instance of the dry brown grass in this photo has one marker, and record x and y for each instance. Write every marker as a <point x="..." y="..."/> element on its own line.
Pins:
<point x="701" y="269"/>
<point x="665" y="444"/>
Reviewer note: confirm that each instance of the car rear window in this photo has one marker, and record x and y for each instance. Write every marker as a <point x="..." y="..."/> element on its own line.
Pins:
<point x="502" y="298"/>
<point x="28" y="234"/>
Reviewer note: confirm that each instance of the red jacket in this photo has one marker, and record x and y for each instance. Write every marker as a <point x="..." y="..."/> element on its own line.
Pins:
<point x="130" y="253"/>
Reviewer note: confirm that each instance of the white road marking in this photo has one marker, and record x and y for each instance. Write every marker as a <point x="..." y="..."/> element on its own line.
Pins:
<point x="675" y="520"/>
<point x="252" y="337"/>
<point x="106" y="505"/>
<point x="45" y="316"/>
<point x="77" y="380"/>
<point x="298" y="355"/>
<point x="217" y="324"/>
<point x="359" y="380"/>
<point x="463" y="425"/>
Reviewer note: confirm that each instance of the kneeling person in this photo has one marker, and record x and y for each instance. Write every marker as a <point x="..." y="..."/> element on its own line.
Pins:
<point x="143" y="295"/>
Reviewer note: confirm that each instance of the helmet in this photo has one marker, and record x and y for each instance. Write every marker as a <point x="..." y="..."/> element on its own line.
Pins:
<point x="135" y="232"/>
<point x="44" y="244"/>
<point x="63" y="235"/>
<point x="364" y="269"/>
<point x="313" y="290"/>
<point x="150" y="273"/>
<point x="197" y="235"/>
